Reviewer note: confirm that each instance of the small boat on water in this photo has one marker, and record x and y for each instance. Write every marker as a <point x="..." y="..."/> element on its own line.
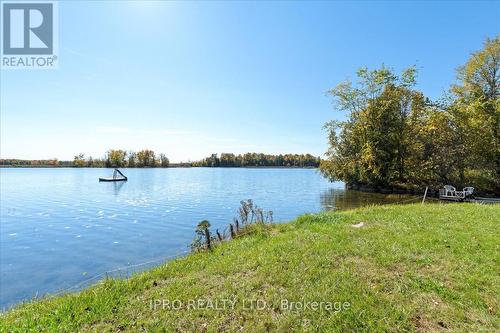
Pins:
<point x="117" y="177"/>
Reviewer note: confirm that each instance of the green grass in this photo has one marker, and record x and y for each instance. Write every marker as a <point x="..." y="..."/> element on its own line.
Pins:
<point x="409" y="268"/>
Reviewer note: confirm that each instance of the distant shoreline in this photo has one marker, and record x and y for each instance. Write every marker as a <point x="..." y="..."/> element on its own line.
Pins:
<point x="148" y="159"/>
<point x="173" y="165"/>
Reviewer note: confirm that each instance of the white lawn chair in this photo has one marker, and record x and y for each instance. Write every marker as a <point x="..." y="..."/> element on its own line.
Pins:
<point x="468" y="190"/>
<point x="449" y="190"/>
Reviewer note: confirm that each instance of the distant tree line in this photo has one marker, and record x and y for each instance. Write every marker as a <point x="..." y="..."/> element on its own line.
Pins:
<point x="35" y="163"/>
<point x="259" y="160"/>
<point x="116" y="158"/>
<point x="396" y="137"/>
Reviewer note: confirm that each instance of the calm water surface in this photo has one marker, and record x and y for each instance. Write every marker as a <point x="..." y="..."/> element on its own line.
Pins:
<point x="60" y="227"/>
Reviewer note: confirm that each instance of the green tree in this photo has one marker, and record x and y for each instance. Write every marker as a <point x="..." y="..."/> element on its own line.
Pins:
<point x="79" y="160"/>
<point x="476" y="107"/>
<point x="164" y="161"/>
<point x="373" y="146"/>
<point x="132" y="159"/>
<point x="259" y="159"/>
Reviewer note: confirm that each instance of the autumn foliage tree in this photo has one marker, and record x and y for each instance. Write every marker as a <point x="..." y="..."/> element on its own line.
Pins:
<point x="476" y="106"/>
<point x="116" y="158"/>
<point x="146" y="158"/>
<point x="374" y="145"/>
<point x="395" y="137"/>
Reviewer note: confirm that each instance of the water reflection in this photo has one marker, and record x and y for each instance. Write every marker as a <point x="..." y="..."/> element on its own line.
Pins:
<point x="117" y="186"/>
<point x="342" y="199"/>
<point x="60" y="226"/>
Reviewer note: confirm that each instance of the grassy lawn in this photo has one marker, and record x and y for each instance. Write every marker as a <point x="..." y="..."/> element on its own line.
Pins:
<point x="407" y="268"/>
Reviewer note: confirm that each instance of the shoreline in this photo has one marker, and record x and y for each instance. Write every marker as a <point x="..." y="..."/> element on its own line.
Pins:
<point x="169" y="167"/>
<point x="345" y="261"/>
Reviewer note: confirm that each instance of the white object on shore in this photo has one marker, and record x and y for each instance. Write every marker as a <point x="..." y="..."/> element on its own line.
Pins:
<point x="451" y="193"/>
<point x="425" y="194"/>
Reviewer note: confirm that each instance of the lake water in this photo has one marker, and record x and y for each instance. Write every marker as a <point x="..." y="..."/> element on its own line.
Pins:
<point x="61" y="227"/>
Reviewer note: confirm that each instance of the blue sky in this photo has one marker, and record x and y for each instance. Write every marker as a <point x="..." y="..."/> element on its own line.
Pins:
<point x="191" y="78"/>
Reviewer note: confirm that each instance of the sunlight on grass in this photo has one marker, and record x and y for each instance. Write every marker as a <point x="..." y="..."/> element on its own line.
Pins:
<point x="406" y="268"/>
